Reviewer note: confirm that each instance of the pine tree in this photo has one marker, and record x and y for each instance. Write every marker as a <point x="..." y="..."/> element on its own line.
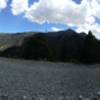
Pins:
<point x="88" y="51"/>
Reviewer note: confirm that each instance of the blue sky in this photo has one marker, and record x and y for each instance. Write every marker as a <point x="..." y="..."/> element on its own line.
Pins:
<point x="50" y="15"/>
<point x="11" y="23"/>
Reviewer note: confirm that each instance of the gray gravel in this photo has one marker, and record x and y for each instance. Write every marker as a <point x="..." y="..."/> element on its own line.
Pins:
<point x="27" y="79"/>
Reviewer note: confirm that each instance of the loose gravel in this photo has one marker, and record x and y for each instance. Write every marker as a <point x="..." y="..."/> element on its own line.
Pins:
<point x="38" y="80"/>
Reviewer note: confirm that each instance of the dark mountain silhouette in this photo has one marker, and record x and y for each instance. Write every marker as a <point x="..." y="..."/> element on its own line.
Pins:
<point x="65" y="46"/>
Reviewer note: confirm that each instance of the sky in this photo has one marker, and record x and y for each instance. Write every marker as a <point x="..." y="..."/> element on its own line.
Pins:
<point x="50" y="15"/>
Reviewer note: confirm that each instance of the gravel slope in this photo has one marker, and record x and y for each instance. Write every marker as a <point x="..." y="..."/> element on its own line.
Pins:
<point x="19" y="78"/>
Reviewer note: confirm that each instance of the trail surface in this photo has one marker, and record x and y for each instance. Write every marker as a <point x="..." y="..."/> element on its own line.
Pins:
<point x="20" y="77"/>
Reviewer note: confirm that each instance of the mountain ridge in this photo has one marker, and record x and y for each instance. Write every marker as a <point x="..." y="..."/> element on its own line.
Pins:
<point x="61" y="46"/>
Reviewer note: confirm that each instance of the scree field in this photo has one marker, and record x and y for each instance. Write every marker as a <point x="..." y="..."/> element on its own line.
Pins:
<point x="29" y="78"/>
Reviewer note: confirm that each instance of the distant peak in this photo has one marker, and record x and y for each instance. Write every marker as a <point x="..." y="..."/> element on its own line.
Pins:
<point x="70" y="30"/>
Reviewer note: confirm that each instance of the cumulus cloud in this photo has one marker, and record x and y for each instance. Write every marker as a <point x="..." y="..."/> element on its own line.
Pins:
<point x="57" y="11"/>
<point x="83" y="15"/>
<point x="56" y="29"/>
<point x="67" y="12"/>
<point x="19" y="6"/>
<point x="95" y="28"/>
<point x="3" y="4"/>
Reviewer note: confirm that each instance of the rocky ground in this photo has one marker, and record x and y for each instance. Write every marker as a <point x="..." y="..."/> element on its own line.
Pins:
<point x="38" y="80"/>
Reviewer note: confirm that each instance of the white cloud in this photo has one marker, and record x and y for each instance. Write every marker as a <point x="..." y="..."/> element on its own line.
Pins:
<point x="3" y="4"/>
<point x="95" y="28"/>
<point x="57" y="11"/>
<point x="65" y="12"/>
<point x="56" y="29"/>
<point x="19" y="6"/>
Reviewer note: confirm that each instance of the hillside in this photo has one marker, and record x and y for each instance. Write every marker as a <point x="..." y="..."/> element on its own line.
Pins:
<point x="10" y="39"/>
<point x="62" y="46"/>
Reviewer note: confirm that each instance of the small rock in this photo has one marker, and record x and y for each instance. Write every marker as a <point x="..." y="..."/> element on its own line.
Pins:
<point x="94" y="98"/>
<point x="33" y="98"/>
<point x="24" y="97"/>
<point x="4" y="97"/>
<point x="98" y="94"/>
<point x="80" y="97"/>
